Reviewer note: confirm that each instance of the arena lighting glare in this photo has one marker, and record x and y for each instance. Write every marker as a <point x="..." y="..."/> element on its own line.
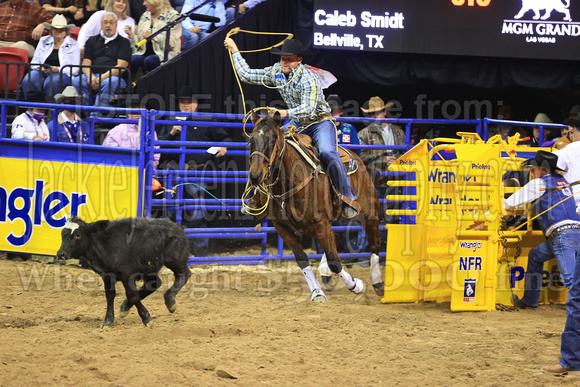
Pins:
<point x="545" y="29"/>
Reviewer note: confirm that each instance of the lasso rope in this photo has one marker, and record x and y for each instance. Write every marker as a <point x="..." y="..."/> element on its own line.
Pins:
<point x="236" y="30"/>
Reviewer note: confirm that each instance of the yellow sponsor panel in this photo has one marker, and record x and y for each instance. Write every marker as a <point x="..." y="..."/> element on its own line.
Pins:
<point x="36" y="197"/>
<point x="459" y="183"/>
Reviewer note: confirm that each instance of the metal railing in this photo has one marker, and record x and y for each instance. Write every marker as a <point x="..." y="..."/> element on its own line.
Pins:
<point x="221" y="177"/>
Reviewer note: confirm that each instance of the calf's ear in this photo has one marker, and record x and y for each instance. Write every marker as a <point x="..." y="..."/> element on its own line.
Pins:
<point x="97" y="226"/>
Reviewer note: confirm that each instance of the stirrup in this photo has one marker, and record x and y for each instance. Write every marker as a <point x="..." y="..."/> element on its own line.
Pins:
<point x="350" y="202"/>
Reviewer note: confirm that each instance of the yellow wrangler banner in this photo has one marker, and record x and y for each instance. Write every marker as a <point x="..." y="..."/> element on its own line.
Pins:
<point x="442" y="257"/>
<point x="37" y="196"/>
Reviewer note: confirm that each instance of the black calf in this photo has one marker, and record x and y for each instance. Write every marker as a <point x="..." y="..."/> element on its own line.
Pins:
<point x="128" y="250"/>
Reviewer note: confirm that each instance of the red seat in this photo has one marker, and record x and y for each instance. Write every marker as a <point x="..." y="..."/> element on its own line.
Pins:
<point x="75" y="33"/>
<point x="11" y="75"/>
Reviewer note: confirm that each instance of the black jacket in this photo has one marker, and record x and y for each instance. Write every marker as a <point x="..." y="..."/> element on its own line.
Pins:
<point x="194" y="133"/>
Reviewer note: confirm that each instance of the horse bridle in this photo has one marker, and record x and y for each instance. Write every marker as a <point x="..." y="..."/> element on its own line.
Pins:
<point x="270" y="159"/>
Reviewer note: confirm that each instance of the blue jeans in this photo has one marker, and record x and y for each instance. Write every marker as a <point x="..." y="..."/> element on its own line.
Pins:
<point x="149" y="62"/>
<point x="108" y="88"/>
<point x="564" y="247"/>
<point x="37" y="80"/>
<point x="190" y="38"/>
<point x="570" y="347"/>
<point x="323" y="134"/>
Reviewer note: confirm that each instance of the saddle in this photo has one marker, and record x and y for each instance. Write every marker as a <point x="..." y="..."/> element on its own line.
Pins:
<point x="303" y="144"/>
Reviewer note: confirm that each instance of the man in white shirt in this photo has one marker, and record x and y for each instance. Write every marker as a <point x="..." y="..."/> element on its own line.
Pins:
<point x="569" y="159"/>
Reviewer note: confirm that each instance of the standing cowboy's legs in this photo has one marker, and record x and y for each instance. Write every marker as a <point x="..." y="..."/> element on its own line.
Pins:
<point x="570" y="347"/>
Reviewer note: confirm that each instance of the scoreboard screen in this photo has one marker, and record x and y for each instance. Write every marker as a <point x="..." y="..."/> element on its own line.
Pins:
<point x="536" y="29"/>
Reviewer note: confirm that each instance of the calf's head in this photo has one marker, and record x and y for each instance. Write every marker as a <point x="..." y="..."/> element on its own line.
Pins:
<point x="77" y="236"/>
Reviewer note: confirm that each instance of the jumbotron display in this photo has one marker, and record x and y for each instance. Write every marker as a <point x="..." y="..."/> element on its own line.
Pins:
<point x="540" y="29"/>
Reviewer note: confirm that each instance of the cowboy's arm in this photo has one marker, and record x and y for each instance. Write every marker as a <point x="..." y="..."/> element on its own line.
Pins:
<point x="527" y="194"/>
<point x="246" y="74"/>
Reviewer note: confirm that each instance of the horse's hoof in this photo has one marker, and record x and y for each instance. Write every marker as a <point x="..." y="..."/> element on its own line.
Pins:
<point x="125" y="307"/>
<point x="149" y="323"/>
<point x="379" y="289"/>
<point x="172" y="309"/>
<point x="358" y="287"/>
<point x="318" y="296"/>
<point x="106" y="324"/>
<point x="327" y="282"/>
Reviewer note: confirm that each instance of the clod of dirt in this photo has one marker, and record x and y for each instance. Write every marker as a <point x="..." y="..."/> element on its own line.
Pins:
<point x="225" y="374"/>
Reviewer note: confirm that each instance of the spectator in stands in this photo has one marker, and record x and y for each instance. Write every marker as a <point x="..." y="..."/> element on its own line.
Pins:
<point x="128" y="135"/>
<point x="504" y="130"/>
<point x="243" y="7"/>
<point x="107" y="57"/>
<point x="21" y="24"/>
<point x="70" y="127"/>
<point x="93" y="26"/>
<point x="380" y="133"/>
<point x="346" y="132"/>
<point x="195" y="30"/>
<point x="73" y="10"/>
<point x="535" y="139"/>
<point x="566" y="134"/>
<point x="377" y="161"/>
<point x="56" y="51"/>
<point x="188" y="102"/>
<point x="149" y="55"/>
<point x="30" y="124"/>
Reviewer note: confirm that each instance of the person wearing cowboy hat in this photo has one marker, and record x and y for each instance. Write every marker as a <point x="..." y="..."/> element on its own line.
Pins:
<point x="69" y="126"/>
<point x="379" y="133"/>
<point x="30" y="125"/>
<point x="60" y="56"/>
<point x="561" y="226"/>
<point x="188" y="103"/>
<point x="307" y="110"/>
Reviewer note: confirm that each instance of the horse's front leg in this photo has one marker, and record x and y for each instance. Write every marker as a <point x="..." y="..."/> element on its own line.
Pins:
<point x="294" y="241"/>
<point x="327" y="240"/>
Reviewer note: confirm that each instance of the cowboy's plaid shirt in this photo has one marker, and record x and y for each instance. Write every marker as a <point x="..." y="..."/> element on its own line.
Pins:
<point x="303" y="94"/>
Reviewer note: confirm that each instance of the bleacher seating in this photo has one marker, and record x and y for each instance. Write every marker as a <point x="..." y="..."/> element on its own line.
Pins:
<point x="11" y="74"/>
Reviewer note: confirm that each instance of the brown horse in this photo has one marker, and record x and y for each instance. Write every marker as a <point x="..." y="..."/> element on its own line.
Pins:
<point x="301" y="201"/>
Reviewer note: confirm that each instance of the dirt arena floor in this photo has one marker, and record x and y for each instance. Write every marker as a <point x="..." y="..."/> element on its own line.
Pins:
<point x="242" y="326"/>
